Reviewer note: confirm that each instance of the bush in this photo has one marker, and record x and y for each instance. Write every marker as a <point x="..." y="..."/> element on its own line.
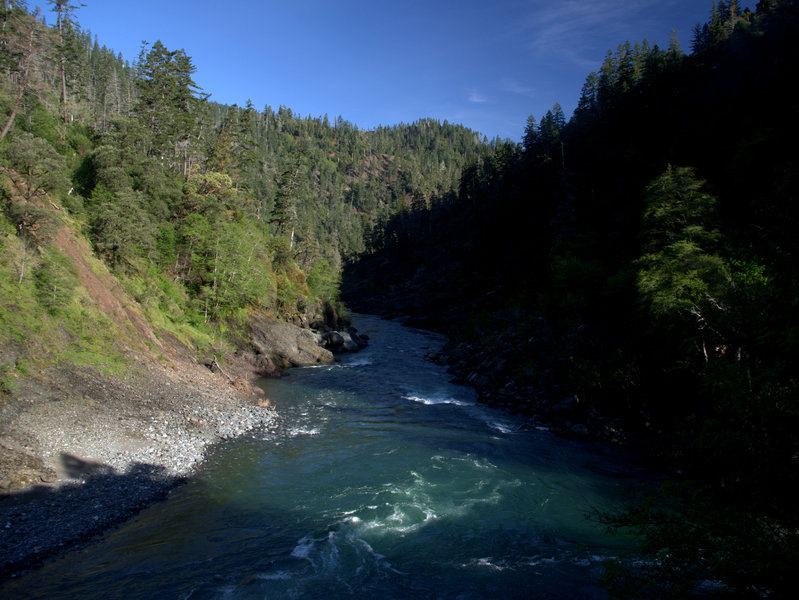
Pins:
<point x="55" y="280"/>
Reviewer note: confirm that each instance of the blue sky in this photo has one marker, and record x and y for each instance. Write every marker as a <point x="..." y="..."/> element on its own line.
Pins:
<point x="487" y="64"/>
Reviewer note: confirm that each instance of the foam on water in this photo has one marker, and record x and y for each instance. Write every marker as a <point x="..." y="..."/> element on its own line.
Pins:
<point x="357" y="362"/>
<point x="278" y="576"/>
<point x="432" y="400"/>
<point x="502" y="427"/>
<point x="295" y="431"/>
<point x="303" y="547"/>
<point x="342" y="550"/>
<point x="486" y="562"/>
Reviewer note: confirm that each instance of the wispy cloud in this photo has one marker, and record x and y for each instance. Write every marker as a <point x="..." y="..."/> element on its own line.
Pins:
<point x="476" y="97"/>
<point x="570" y="28"/>
<point x="514" y="86"/>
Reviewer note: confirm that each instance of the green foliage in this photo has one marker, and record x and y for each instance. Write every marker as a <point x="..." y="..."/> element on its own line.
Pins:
<point x="33" y="223"/>
<point x="679" y="273"/>
<point x="282" y="259"/>
<point x="204" y="212"/>
<point x="289" y="192"/>
<point x="55" y="280"/>
<point x="324" y="281"/>
<point x="121" y="228"/>
<point x="166" y="100"/>
<point x="666" y="302"/>
<point x="168" y="307"/>
<point x="93" y="340"/>
<point x="7" y="383"/>
<point x="18" y="308"/>
<point x="39" y="168"/>
<point x="53" y="325"/>
<point x="43" y="124"/>
<point x="680" y="279"/>
<point x="702" y="546"/>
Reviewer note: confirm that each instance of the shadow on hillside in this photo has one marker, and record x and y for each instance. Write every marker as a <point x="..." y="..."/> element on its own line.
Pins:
<point x="44" y="522"/>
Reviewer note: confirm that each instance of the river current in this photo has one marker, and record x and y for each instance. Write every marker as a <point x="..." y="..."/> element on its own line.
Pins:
<point x="382" y="480"/>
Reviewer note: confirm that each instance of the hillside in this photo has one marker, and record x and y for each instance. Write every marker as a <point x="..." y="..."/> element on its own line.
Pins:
<point x="158" y="252"/>
<point x="630" y="275"/>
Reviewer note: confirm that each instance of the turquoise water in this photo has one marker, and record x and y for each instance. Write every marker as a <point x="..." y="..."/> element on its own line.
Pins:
<point x="382" y="480"/>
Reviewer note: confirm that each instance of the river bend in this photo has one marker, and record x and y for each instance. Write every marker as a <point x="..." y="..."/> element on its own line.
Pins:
<point x="381" y="480"/>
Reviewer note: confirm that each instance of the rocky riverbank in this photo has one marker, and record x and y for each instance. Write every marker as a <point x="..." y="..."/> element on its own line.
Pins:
<point x="90" y="451"/>
<point x="81" y="452"/>
<point x="537" y="392"/>
<point x="531" y="374"/>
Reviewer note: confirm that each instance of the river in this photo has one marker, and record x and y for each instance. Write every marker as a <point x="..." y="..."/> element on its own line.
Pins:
<point x="383" y="479"/>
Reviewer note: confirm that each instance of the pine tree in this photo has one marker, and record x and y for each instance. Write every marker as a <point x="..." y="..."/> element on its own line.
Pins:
<point x="22" y="53"/>
<point x="290" y="184"/>
<point x="530" y="134"/>
<point x="167" y="102"/>
<point x="587" y="103"/>
<point x="64" y="9"/>
<point x="682" y="278"/>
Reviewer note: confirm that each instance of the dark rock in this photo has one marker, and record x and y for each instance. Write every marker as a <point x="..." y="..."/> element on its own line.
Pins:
<point x="282" y="345"/>
<point x="567" y="406"/>
<point x="331" y="339"/>
<point x="579" y="429"/>
<point x="343" y="341"/>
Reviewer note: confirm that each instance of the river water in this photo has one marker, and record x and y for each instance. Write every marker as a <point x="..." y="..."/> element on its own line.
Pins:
<point x="382" y="480"/>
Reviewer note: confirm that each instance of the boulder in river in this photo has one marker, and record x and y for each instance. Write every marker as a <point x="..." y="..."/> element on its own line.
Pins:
<point x="348" y="340"/>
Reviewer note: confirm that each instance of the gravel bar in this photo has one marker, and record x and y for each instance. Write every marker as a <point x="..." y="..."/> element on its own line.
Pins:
<point x="107" y="448"/>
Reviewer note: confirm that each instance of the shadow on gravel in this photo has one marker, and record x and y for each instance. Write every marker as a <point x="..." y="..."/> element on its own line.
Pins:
<point x="44" y="522"/>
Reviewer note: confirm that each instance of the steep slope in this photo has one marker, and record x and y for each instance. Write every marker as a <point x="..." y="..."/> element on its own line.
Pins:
<point x="101" y="411"/>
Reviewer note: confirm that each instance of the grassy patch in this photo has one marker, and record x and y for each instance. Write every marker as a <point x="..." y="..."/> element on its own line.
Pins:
<point x="73" y="330"/>
<point x="167" y="307"/>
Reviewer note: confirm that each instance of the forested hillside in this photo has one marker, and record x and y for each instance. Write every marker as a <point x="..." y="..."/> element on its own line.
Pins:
<point x="203" y="212"/>
<point x="632" y="273"/>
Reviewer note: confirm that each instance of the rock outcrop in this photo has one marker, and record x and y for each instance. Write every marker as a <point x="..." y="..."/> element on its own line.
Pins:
<point x="279" y="345"/>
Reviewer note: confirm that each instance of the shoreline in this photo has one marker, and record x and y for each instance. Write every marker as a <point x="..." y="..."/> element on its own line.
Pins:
<point x="97" y="454"/>
<point x="82" y="452"/>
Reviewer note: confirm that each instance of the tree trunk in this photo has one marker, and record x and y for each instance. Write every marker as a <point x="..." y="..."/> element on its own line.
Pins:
<point x="62" y="61"/>
<point x="24" y="257"/>
<point x="10" y="121"/>
<point x="64" y="88"/>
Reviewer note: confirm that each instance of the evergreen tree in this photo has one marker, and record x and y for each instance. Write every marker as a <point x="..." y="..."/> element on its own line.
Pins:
<point x="22" y="52"/>
<point x="55" y="279"/>
<point x="587" y="103"/>
<point x="122" y="230"/>
<point x="38" y="168"/>
<point x="167" y="103"/>
<point x="681" y="276"/>
<point x="289" y="189"/>
<point x="65" y="10"/>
